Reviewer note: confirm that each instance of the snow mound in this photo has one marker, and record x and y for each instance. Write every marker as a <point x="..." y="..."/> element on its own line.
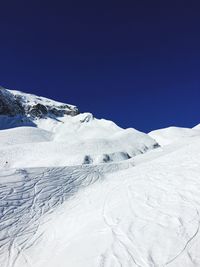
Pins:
<point x="19" y="154"/>
<point x="23" y="135"/>
<point x="169" y="135"/>
<point x="197" y="127"/>
<point x="61" y="136"/>
<point x="73" y="140"/>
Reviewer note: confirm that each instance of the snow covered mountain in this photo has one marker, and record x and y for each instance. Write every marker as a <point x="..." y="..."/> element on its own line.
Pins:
<point x="61" y="135"/>
<point x="78" y="191"/>
<point x="18" y="103"/>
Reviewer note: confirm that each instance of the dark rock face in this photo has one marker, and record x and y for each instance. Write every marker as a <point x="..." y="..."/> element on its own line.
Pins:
<point x="106" y="158"/>
<point x="72" y="112"/>
<point x="41" y="111"/>
<point x="38" y="111"/>
<point x="9" y="105"/>
<point x="63" y="110"/>
<point x="14" y="104"/>
<point x="87" y="160"/>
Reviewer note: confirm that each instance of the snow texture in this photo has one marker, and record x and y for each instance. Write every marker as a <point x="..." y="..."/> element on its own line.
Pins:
<point x="79" y="191"/>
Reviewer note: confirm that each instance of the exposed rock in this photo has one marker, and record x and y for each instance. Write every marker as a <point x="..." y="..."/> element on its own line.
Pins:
<point x="63" y="110"/>
<point x="38" y="110"/>
<point x="14" y="103"/>
<point x="106" y="158"/>
<point x="8" y="104"/>
<point x="87" y="160"/>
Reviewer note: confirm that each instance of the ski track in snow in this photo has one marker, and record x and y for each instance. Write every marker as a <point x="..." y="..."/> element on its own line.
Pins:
<point x="127" y="249"/>
<point x="155" y="209"/>
<point x="118" y="211"/>
<point x="24" y="202"/>
<point x="153" y="219"/>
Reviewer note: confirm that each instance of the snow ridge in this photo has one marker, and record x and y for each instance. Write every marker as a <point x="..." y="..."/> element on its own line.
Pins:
<point x="14" y="102"/>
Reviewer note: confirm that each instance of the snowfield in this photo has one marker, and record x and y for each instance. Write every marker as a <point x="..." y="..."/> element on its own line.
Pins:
<point x="70" y="140"/>
<point x="77" y="191"/>
<point x="173" y="134"/>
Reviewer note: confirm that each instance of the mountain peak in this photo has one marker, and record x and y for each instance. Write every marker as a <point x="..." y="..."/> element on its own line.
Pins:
<point x="14" y="103"/>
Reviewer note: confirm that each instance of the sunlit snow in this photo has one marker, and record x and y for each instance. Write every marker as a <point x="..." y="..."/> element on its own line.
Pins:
<point x="78" y="191"/>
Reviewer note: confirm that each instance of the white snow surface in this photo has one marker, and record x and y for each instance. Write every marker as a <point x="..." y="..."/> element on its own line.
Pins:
<point x="23" y="135"/>
<point x="169" y="135"/>
<point x="65" y="140"/>
<point x="71" y="141"/>
<point x="77" y="191"/>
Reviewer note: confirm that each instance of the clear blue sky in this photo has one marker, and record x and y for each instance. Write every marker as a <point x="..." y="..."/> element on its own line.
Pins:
<point x="134" y="62"/>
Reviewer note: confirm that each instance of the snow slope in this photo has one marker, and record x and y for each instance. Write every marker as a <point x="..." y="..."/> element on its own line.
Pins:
<point x="105" y="215"/>
<point x="72" y="141"/>
<point x="77" y="191"/>
<point x="169" y="135"/>
<point x="62" y="137"/>
<point x="23" y="135"/>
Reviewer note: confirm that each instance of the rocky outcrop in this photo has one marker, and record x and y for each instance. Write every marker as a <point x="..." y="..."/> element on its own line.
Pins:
<point x="14" y="103"/>
<point x="38" y="110"/>
<point x="8" y="104"/>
